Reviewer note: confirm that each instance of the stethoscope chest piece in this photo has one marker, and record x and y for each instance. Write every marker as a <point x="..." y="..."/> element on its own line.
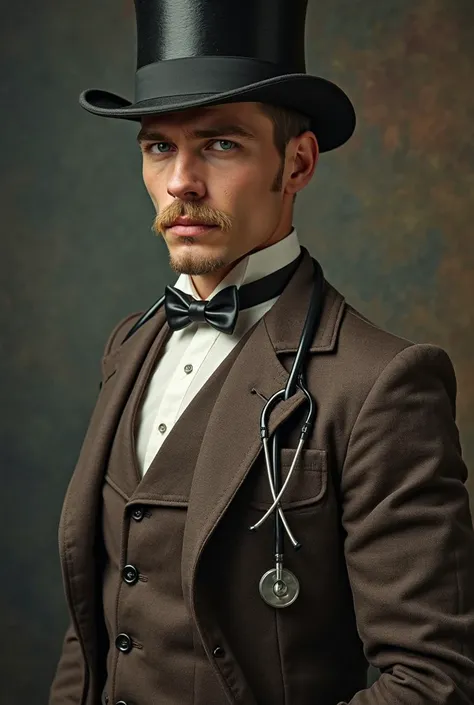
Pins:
<point x="279" y="591"/>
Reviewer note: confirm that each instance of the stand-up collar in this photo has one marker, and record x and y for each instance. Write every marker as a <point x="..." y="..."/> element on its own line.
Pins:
<point x="252" y="267"/>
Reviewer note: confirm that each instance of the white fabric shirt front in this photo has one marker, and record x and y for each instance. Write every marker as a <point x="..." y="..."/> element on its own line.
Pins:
<point x="191" y="355"/>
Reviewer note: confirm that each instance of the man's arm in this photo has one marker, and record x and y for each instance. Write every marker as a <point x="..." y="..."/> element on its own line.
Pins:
<point x="68" y="683"/>
<point x="410" y="542"/>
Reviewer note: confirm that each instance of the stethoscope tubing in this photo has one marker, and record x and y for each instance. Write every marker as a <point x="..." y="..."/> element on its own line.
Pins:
<point x="279" y="587"/>
<point x="309" y="329"/>
<point x="273" y="466"/>
<point x="277" y="498"/>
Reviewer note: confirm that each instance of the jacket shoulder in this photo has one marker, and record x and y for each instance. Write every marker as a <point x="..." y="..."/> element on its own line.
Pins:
<point x="119" y="332"/>
<point x="375" y="350"/>
<point x="362" y="352"/>
<point x="367" y="342"/>
<point x="366" y="351"/>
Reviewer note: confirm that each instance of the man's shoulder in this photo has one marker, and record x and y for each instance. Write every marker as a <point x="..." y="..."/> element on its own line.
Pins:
<point x="363" y="335"/>
<point x="364" y="348"/>
<point x="367" y="350"/>
<point x="359" y="335"/>
<point x="119" y="332"/>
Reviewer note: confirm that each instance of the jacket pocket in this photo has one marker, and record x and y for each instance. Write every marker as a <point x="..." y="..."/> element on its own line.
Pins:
<point x="307" y="485"/>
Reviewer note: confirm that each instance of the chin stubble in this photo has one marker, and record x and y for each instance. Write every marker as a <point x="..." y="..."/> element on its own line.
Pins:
<point x="195" y="266"/>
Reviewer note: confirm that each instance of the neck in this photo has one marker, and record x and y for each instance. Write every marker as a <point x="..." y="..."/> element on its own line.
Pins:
<point x="206" y="283"/>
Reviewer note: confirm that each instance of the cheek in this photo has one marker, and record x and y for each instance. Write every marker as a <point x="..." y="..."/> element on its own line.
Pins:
<point x="152" y="184"/>
<point x="146" y="176"/>
<point x="244" y="188"/>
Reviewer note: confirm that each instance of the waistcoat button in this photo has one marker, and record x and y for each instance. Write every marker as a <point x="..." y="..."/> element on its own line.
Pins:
<point x="130" y="574"/>
<point x="121" y="702"/>
<point x="138" y="513"/>
<point x="218" y="652"/>
<point x="123" y="643"/>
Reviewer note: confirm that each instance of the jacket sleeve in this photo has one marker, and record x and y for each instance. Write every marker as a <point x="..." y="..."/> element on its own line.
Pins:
<point x="68" y="684"/>
<point x="409" y="543"/>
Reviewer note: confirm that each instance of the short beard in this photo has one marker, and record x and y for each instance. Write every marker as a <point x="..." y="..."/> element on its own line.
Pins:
<point x="195" y="267"/>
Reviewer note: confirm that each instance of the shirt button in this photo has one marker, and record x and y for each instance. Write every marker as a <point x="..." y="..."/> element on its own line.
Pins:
<point x="162" y="428"/>
<point x="130" y="574"/>
<point x="123" y="643"/>
<point x="138" y="513"/>
<point x="188" y="369"/>
<point x="218" y="652"/>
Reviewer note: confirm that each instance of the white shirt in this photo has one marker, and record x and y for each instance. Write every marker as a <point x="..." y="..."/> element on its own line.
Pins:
<point x="191" y="355"/>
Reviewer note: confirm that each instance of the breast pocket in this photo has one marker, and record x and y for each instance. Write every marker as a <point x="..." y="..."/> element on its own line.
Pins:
<point x="307" y="485"/>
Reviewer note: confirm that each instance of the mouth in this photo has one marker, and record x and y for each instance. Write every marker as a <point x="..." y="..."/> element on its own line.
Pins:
<point x="190" y="228"/>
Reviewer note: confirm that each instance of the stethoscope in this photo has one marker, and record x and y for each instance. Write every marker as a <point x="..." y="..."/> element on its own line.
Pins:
<point x="279" y="587"/>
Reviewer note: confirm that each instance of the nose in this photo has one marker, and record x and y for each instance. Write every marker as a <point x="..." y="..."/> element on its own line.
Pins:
<point x="184" y="180"/>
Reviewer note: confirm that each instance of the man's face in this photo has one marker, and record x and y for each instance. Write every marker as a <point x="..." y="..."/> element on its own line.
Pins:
<point x="217" y="167"/>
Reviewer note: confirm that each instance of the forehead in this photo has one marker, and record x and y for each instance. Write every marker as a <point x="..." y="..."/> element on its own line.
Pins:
<point x="246" y="114"/>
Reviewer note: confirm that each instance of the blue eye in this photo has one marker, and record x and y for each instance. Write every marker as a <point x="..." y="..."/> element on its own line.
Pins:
<point x="226" y="145"/>
<point x="160" y="144"/>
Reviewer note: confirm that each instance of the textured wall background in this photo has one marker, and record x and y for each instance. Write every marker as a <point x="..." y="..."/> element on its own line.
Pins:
<point x="389" y="216"/>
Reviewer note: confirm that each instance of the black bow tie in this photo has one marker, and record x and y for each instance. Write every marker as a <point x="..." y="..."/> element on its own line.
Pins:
<point x="222" y="310"/>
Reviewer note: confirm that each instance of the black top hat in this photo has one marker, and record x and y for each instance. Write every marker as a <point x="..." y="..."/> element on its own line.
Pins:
<point x="193" y="53"/>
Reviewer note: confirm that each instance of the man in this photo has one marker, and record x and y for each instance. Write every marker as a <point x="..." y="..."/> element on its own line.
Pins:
<point x="173" y="600"/>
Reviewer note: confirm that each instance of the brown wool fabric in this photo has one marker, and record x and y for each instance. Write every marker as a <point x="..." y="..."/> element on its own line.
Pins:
<point x="167" y="661"/>
<point x="378" y="502"/>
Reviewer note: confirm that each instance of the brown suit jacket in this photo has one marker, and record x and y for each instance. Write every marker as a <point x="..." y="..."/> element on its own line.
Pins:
<point x="385" y="509"/>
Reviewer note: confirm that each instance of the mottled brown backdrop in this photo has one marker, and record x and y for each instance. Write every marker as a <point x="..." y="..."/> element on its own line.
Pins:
<point x="389" y="216"/>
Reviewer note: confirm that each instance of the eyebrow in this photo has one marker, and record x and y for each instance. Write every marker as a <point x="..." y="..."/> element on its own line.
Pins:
<point x="217" y="131"/>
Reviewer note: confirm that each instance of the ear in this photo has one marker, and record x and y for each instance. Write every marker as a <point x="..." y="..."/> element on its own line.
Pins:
<point x="303" y="159"/>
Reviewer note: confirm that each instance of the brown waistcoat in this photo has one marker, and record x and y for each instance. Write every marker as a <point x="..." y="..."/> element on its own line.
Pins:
<point x="158" y="657"/>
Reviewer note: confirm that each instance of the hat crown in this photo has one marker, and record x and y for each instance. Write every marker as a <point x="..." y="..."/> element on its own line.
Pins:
<point x="200" y="53"/>
<point x="266" y="30"/>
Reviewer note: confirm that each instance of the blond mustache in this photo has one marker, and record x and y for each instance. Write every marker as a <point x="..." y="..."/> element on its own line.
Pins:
<point x="196" y="211"/>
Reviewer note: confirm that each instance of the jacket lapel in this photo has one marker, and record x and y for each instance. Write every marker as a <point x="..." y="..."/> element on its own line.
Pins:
<point x="232" y="440"/>
<point x="77" y="530"/>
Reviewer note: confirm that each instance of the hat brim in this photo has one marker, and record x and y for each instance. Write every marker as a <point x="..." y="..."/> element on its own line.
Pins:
<point x="328" y="107"/>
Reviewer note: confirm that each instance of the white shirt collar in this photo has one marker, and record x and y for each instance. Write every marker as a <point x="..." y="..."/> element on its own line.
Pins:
<point x="252" y="267"/>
